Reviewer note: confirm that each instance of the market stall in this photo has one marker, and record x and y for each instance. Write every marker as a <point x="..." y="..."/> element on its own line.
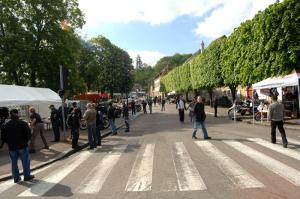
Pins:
<point x="24" y="96"/>
<point x="286" y="87"/>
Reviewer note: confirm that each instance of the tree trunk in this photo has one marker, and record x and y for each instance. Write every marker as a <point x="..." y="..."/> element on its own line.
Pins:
<point x="233" y="92"/>
<point x="187" y="96"/>
<point x="32" y="78"/>
<point x="16" y="78"/>
<point x="210" y="91"/>
<point x="111" y="94"/>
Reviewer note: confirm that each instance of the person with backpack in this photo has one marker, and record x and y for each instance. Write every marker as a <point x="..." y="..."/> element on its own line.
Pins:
<point x="111" y="118"/>
<point x="74" y="124"/>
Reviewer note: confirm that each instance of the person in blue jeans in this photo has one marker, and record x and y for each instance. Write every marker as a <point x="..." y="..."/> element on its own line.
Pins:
<point x="199" y="118"/>
<point x="90" y="118"/>
<point x="111" y="118"/>
<point x="16" y="133"/>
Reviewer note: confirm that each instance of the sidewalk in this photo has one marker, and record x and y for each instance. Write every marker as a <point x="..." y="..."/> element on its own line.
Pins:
<point x="222" y="112"/>
<point x="56" y="151"/>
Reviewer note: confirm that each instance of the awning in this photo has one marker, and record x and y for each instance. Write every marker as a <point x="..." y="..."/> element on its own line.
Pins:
<point x="291" y="79"/>
<point x="11" y="95"/>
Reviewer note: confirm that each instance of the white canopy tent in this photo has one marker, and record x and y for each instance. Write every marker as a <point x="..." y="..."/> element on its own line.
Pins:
<point x="11" y="95"/>
<point x="291" y="79"/>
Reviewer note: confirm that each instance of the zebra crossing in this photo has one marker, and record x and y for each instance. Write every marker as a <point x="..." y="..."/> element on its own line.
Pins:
<point x="187" y="174"/>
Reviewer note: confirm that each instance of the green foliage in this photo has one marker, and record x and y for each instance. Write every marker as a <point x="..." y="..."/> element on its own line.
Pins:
<point x="266" y="46"/>
<point x="143" y="76"/>
<point x="112" y="68"/>
<point x="32" y="42"/>
<point x="206" y="67"/>
<point x="171" y="61"/>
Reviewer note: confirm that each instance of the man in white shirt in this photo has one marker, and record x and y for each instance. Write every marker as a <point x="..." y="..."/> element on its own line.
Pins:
<point x="180" y="105"/>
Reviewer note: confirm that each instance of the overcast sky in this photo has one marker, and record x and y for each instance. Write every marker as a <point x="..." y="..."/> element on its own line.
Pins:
<point x="157" y="28"/>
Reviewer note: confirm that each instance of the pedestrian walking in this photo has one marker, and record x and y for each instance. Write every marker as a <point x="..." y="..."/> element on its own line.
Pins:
<point x="126" y="117"/>
<point x="275" y="115"/>
<point x="16" y="133"/>
<point x="150" y="105"/>
<point x="133" y="108"/>
<point x="180" y="105"/>
<point x="216" y="106"/>
<point x="74" y="124"/>
<point x="90" y="118"/>
<point x="99" y="125"/>
<point x="191" y="109"/>
<point x="199" y="118"/>
<point x="55" y="121"/>
<point x="144" y="103"/>
<point x="155" y="100"/>
<point x="163" y="102"/>
<point x="37" y="127"/>
<point x="111" y="115"/>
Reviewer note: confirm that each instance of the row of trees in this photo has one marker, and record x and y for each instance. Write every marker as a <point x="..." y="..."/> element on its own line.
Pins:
<point x="268" y="45"/>
<point x="37" y="36"/>
<point x="143" y="74"/>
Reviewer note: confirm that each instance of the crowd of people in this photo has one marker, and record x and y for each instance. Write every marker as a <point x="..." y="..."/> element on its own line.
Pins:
<point x="18" y="133"/>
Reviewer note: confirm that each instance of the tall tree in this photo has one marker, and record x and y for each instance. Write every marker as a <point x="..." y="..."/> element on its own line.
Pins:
<point x="138" y="62"/>
<point x="31" y="30"/>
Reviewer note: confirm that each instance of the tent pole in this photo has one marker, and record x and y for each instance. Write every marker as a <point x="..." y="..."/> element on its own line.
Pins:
<point x="253" y="105"/>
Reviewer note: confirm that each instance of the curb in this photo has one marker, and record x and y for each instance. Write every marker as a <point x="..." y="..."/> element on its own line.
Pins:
<point x="63" y="155"/>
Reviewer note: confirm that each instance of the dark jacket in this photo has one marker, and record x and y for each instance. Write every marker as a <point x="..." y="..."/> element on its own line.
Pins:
<point x="111" y="112"/>
<point x="74" y="120"/>
<point x="199" y="113"/>
<point x="125" y="111"/>
<point x="54" y="115"/>
<point x="16" y="133"/>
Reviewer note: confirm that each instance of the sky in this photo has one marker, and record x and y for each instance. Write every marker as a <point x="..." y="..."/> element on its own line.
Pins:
<point x="157" y="28"/>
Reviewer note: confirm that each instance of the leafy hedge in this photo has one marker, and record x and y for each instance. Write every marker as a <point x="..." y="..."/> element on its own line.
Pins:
<point x="266" y="46"/>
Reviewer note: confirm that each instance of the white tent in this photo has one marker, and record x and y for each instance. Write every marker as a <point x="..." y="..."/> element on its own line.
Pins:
<point x="11" y="95"/>
<point x="291" y="79"/>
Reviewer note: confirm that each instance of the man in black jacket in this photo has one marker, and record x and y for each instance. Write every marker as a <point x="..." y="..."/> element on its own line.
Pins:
<point x="199" y="115"/>
<point x="16" y="134"/>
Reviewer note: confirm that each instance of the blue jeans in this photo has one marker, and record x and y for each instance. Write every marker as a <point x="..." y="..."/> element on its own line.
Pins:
<point x="203" y="126"/>
<point x="92" y="135"/>
<point x="113" y="126"/>
<point x="55" y="127"/>
<point x="23" y="154"/>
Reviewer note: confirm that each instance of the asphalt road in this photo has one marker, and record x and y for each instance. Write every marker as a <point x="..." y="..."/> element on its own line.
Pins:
<point x="158" y="159"/>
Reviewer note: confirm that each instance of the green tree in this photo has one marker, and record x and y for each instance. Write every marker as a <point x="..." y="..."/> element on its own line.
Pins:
<point x="33" y="43"/>
<point x="138" y="62"/>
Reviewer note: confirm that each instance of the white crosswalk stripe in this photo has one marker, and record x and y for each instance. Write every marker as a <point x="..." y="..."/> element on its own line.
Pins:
<point x="185" y="175"/>
<point x="140" y="178"/>
<point x="290" y="140"/>
<point x="285" y="151"/>
<point x="240" y="177"/>
<point x="93" y="182"/>
<point x="10" y="183"/>
<point x="188" y="177"/>
<point x="55" y="177"/>
<point x="283" y="170"/>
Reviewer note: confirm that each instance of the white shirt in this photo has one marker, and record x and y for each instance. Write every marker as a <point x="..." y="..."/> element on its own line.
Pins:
<point x="180" y="104"/>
